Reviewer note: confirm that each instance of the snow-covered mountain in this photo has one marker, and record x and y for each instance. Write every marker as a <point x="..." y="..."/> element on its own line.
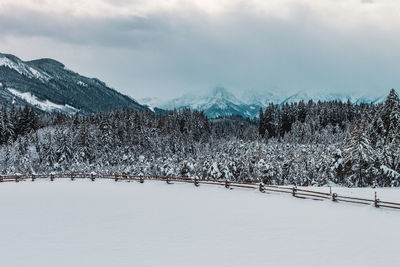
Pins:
<point x="49" y="86"/>
<point x="261" y="99"/>
<point x="221" y="102"/>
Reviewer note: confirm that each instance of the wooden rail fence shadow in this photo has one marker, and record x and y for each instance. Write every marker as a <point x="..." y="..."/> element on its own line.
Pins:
<point x="294" y="191"/>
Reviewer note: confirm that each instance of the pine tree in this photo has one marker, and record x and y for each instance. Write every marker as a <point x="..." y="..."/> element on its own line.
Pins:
<point x="64" y="150"/>
<point x="359" y="156"/>
<point x="390" y="115"/>
<point x="390" y="162"/>
<point x="6" y="127"/>
<point x="49" y="157"/>
<point x="270" y="118"/>
<point x="261" y="124"/>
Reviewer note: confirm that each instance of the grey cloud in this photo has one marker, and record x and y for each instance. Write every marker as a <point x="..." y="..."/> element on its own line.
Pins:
<point x="116" y="32"/>
<point x="169" y="54"/>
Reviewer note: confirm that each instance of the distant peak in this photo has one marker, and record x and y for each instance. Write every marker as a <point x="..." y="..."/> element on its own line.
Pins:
<point x="47" y="61"/>
<point x="221" y="92"/>
<point x="10" y="57"/>
<point x="37" y="62"/>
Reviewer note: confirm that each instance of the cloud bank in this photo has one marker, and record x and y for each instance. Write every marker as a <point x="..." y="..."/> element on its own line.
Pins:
<point x="166" y="48"/>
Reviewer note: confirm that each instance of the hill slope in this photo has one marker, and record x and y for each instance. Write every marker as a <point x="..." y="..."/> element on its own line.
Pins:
<point x="48" y="85"/>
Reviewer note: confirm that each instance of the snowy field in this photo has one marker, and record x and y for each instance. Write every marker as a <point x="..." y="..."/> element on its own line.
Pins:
<point x="104" y="223"/>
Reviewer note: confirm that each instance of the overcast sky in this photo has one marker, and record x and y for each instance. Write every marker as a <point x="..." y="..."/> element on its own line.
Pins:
<point x="167" y="48"/>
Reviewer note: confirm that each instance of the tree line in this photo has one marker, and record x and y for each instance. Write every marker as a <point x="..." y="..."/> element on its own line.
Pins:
<point x="302" y="143"/>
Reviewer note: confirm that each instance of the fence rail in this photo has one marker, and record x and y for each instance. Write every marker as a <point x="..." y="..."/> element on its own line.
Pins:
<point x="294" y="191"/>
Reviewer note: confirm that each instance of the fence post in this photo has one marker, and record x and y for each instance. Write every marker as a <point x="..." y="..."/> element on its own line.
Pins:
<point x="33" y="177"/>
<point x="16" y="179"/>
<point x="52" y="177"/>
<point x="72" y="177"/>
<point x="261" y="188"/>
<point x="376" y="201"/>
<point x="1" y="179"/>
<point x="226" y="184"/>
<point x="116" y="177"/>
<point x="167" y="180"/>
<point x="141" y="180"/>
<point x="294" y="191"/>
<point x="92" y="177"/>
<point x="334" y="195"/>
<point x="196" y="182"/>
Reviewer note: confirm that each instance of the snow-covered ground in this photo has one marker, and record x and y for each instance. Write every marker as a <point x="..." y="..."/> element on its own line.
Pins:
<point x="43" y="105"/>
<point x="391" y="194"/>
<point x="104" y="223"/>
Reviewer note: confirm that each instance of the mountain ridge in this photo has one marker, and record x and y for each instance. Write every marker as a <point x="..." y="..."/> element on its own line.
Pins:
<point x="221" y="102"/>
<point x="48" y="86"/>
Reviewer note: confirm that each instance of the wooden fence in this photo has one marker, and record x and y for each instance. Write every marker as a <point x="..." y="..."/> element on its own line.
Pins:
<point x="294" y="191"/>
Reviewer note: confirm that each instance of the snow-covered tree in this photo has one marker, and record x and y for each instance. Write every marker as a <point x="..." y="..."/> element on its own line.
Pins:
<point x="358" y="156"/>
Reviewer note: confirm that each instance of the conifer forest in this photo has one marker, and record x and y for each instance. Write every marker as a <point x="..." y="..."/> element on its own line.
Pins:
<point x="324" y="143"/>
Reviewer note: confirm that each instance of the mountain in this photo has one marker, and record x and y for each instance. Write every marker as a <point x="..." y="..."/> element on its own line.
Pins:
<point x="221" y="102"/>
<point x="48" y="86"/>
<point x="261" y="99"/>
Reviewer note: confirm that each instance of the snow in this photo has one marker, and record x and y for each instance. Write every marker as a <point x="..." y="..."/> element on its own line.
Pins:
<point x="10" y="64"/>
<point x="80" y="83"/>
<point x="218" y="97"/>
<point x="43" y="105"/>
<point x="150" y="102"/>
<point x="263" y="99"/>
<point x="23" y="69"/>
<point x="71" y="108"/>
<point x="390" y="172"/>
<point x="220" y="101"/>
<point x="39" y="75"/>
<point x="391" y="194"/>
<point x="104" y="223"/>
<point x="67" y="69"/>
